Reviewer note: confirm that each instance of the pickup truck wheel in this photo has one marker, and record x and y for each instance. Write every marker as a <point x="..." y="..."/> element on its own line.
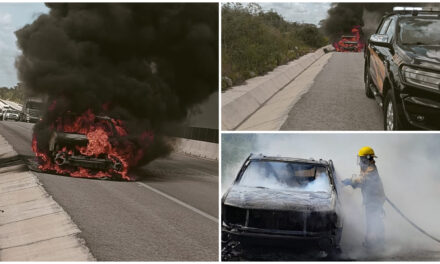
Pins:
<point x="390" y="117"/>
<point x="368" y="84"/>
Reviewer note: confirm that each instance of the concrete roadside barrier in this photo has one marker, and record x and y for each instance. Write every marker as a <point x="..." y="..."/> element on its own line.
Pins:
<point x="240" y="102"/>
<point x="33" y="227"/>
<point x="13" y="105"/>
<point x="196" y="148"/>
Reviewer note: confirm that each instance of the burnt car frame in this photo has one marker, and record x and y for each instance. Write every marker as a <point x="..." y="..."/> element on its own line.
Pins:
<point x="349" y="45"/>
<point x="402" y="72"/>
<point x="283" y="218"/>
<point x="71" y="157"/>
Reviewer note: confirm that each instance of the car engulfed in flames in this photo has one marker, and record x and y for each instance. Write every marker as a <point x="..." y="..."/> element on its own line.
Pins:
<point x="350" y="43"/>
<point x="282" y="203"/>
<point x="89" y="146"/>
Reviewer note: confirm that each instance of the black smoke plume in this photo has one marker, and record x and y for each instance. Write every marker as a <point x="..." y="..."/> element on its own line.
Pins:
<point x="145" y="63"/>
<point x="343" y="16"/>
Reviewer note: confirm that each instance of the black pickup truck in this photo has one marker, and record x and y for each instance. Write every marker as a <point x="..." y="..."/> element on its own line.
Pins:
<point x="402" y="69"/>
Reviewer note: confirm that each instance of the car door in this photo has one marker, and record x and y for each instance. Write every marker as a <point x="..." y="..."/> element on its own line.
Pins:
<point x="377" y="56"/>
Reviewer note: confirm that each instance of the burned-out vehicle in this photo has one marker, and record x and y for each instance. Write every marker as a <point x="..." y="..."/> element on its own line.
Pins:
<point x="402" y="69"/>
<point x="70" y="148"/>
<point x="283" y="202"/>
<point x="350" y="43"/>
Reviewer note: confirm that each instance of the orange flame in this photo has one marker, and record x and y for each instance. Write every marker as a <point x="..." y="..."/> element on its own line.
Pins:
<point x="346" y="43"/>
<point x="114" y="145"/>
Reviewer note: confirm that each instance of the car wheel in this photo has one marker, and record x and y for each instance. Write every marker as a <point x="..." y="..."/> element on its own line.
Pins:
<point x="368" y="84"/>
<point x="390" y="117"/>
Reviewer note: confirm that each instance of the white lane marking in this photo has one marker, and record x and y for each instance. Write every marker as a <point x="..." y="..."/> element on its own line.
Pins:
<point x="210" y="217"/>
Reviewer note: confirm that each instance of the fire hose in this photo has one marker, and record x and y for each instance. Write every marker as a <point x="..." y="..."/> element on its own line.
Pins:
<point x="411" y="222"/>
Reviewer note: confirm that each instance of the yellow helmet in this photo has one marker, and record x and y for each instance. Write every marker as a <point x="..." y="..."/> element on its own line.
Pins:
<point x="366" y="151"/>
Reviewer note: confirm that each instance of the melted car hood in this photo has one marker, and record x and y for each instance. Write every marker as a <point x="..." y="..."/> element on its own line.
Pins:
<point x="427" y="56"/>
<point x="271" y="199"/>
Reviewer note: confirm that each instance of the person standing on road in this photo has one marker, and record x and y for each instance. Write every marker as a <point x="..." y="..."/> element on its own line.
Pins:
<point x="373" y="198"/>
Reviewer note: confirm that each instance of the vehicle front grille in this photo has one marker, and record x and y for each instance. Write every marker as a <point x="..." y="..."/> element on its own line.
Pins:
<point x="234" y="215"/>
<point x="280" y="220"/>
<point x="319" y="222"/>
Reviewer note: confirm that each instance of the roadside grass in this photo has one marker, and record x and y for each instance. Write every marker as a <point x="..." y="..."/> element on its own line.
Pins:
<point x="255" y="42"/>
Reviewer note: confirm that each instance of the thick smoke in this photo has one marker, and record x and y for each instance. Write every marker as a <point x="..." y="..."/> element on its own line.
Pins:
<point x="276" y="175"/>
<point x="408" y="165"/>
<point x="343" y="16"/>
<point x="147" y="63"/>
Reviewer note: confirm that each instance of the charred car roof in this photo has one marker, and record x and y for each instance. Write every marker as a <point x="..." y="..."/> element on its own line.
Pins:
<point x="288" y="159"/>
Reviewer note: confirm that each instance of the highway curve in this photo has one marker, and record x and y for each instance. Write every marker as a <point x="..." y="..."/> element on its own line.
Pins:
<point x="170" y="214"/>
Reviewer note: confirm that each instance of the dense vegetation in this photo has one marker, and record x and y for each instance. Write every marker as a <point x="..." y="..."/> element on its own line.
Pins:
<point x="15" y="94"/>
<point x="255" y="42"/>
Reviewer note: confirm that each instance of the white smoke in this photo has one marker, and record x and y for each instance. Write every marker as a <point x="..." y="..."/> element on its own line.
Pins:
<point x="409" y="166"/>
<point x="257" y="175"/>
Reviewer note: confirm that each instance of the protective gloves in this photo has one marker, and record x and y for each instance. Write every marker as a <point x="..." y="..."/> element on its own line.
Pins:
<point x="346" y="182"/>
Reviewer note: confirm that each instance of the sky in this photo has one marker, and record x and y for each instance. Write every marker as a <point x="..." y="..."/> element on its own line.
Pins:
<point x="301" y="12"/>
<point x="14" y="16"/>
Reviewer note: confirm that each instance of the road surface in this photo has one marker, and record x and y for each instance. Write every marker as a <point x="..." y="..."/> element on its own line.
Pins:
<point x="169" y="215"/>
<point x="336" y="100"/>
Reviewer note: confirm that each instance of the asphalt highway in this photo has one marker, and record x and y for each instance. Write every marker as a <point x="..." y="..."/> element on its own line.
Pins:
<point x="336" y="100"/>
<point x="170" y="214"/>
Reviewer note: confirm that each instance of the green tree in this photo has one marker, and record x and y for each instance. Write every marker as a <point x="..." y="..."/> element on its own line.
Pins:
<point x="255" y="42"/>
<point x="15" y="94"/>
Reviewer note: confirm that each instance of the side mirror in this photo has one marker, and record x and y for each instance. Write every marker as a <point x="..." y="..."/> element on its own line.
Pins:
<point x="380" y="40"/>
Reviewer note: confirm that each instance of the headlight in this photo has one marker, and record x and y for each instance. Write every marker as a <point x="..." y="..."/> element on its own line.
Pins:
<point x="421" y="77"/>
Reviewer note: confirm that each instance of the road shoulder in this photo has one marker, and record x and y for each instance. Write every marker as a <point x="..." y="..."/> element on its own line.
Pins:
<point x="33" y="227"/>
<point x="273" y="114"/>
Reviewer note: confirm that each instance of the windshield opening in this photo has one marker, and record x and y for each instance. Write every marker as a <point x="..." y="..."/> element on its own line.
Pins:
<point x="286" y="175"/>
<point x="419" y="31"/>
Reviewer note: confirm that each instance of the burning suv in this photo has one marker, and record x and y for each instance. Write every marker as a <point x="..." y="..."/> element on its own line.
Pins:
<point x="90" y="146"/>
<point x="402" y="69"/>
<point x="68" y="148"/>
<point x="280" y="201"/>
<point x="350" y="43"/>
